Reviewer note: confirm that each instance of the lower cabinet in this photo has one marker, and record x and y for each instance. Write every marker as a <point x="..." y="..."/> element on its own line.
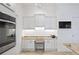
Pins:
<point x="50" y="45"/>
<point x="28" y="45"/>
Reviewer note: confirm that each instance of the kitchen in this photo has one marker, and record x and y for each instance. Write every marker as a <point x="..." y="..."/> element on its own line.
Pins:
<point x="42" y="27"/>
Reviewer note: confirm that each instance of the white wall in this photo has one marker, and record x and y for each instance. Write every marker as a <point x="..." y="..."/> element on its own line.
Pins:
<point x="68" y="12"/>
<point x="18" y="27"/>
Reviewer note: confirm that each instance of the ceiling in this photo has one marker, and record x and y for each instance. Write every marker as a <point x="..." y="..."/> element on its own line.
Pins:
<point x="30" y="9"/>
<point x="48" y="9"/>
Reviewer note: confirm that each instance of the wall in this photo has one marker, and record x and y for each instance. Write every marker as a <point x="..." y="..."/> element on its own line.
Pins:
<point x="68" y="12"/>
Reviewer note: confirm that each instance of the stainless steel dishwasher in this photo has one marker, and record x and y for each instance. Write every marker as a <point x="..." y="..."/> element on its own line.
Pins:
<point x="39" y="45"/>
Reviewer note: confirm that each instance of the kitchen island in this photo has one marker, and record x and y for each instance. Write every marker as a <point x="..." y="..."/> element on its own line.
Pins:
<point x="44" y="43"/>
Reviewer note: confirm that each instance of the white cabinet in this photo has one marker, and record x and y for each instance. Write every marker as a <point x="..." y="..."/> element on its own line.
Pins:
<point x="48" y="22"/>
<point x="29" y="22"/>
<point x="40" y="20"/>
<point x="50" y="45"/>
<point x="28" y="45"/>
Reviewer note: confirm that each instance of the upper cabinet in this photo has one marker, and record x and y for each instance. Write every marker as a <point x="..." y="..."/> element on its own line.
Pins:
<point x="40" y="20"/>
<point x="29" y="22"/>
<point x="48" y="22"/>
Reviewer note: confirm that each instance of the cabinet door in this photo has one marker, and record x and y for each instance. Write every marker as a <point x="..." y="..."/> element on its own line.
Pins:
<point x="28" y="45"/>
<point x="29" y="22"/>
<point x="40" y="20"/>
<point x="49" y="45"/>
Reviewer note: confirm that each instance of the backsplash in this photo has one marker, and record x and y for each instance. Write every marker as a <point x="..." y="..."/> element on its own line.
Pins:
<point x="39" y="32"/>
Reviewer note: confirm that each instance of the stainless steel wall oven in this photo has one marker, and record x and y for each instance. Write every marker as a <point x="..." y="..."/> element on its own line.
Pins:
<point x="7" y="32"/>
